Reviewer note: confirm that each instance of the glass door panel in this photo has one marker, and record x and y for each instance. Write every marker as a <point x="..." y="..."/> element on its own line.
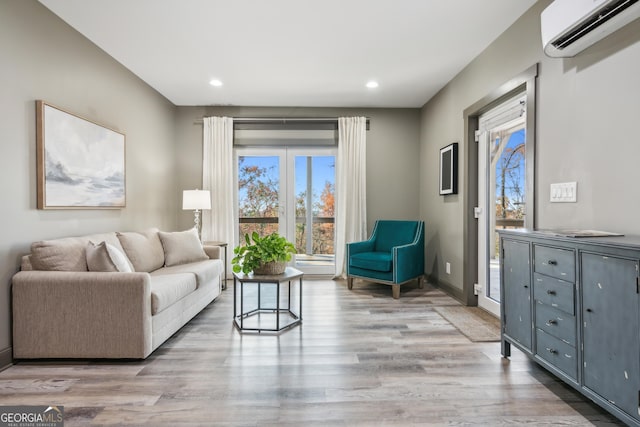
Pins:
<point x="259" y="197"/>
<point x="314" y="187"/>
<point x="290" y="191"/>
<point x="501" y="199"/>
<point x="507" y="194"/>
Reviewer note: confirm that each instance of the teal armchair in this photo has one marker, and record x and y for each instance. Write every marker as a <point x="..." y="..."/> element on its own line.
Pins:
<point x="393" y="255"/>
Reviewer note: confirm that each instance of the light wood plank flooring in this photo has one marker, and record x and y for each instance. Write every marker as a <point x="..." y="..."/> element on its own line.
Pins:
<point x="360" y="358"/>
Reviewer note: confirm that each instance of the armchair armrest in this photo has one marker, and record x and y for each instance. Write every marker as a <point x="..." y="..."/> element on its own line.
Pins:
<point x="408" y="261"/>
<point x="81" y="314"/>
<point x="359" y="247"/>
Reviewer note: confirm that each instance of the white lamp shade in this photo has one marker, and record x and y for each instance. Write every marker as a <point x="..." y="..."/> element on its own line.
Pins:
<point x="196" y="199"/>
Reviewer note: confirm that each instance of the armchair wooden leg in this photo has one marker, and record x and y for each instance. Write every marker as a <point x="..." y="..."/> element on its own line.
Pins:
<point x="396" y="291"/>
<point x="350" y="282"/>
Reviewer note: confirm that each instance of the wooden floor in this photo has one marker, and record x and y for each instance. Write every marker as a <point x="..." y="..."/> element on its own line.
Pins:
<point x="360" y="358"/>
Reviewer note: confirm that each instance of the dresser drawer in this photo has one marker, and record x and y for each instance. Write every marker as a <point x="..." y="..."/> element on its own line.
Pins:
<point x="557" y="352"/>
<point x="554" y="262"/>
<point x="557" y="323"/>
<point x="554" y="292"/>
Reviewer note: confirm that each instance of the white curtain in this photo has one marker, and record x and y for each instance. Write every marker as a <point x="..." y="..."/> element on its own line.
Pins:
<point x="217" y="177"/>
<point x="351" y="203"/>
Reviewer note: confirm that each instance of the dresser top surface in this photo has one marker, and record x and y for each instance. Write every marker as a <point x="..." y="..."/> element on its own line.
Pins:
<point x="591" y="237"/>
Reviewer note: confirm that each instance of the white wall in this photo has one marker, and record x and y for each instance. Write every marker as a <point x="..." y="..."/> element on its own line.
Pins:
<point x="43" y="58"/>
<point x="586" y="132"/>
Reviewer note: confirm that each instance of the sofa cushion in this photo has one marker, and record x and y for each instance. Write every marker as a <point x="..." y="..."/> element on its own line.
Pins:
<point x="377" y="261"/>
<point x="65" y="254"/>
<point x="106" y="257"/>
<point x="169" y="288"/>
<point x="143" y="249"/>
<point x="204" y="270"/>
<point x="182" y="247"/>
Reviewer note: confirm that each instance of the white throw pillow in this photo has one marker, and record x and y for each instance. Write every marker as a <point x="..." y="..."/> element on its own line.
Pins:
<point x="106" y="257"/>
<point x="182" y="247"/>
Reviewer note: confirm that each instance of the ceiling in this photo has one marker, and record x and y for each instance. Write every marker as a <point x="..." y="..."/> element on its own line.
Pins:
<point x="293" y="52"/>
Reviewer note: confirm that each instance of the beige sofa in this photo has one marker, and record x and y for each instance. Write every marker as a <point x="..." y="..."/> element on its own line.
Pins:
<point x="112" y="295"/>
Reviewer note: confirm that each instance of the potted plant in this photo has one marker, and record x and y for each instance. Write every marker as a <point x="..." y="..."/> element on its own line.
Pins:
<point x="262" y="255"/>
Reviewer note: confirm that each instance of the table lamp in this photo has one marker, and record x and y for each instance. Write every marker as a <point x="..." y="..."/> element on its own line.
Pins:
<point x="196" y="200"/>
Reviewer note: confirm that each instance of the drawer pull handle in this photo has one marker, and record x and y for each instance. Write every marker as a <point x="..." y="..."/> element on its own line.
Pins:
<point x="552" y="262"/>
<point x="589" y="310"/>
<point x="552" y="322"/>
<point x="526" y="286"/>
<point x="550" y="292"/>
<point x="552" y="351"/>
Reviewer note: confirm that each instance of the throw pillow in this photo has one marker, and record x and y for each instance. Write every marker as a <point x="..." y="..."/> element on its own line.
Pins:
<point x="66" y="254"/>
<point x="144" y="249"/>
<point x="110" y="238"/>
<point x="181" y="247"/>
<point x="106" y="257"/>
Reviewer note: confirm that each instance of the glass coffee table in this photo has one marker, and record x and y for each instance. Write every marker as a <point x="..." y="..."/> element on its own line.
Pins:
<point x="267" y="303"/>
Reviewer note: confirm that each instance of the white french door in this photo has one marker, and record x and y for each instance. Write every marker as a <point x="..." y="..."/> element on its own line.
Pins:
<point x="501" y="190"/>
<point x="290" y="190"/>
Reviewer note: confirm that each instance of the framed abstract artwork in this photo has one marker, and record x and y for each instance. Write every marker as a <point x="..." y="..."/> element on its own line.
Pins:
<point x="80" y="164"/>
<point x="449" y="169"/>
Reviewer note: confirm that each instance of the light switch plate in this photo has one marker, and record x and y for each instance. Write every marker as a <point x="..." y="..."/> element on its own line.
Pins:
<point x="564" y="192"/>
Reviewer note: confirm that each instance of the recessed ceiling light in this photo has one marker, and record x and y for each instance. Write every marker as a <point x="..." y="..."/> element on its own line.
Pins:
<point x="215" y="82"/>
<point x="372" y="84"/>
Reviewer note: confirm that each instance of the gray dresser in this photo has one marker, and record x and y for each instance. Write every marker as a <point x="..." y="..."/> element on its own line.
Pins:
<point x="573" y="305"/>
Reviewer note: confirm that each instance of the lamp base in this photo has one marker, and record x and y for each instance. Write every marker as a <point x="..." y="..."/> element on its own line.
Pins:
<point x="197" y="225"/>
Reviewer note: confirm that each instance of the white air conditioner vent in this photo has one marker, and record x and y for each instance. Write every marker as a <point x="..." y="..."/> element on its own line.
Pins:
<point x="570" y="26"/>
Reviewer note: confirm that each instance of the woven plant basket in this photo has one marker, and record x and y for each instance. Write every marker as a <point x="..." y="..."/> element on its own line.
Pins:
<point x="271" y="268"/>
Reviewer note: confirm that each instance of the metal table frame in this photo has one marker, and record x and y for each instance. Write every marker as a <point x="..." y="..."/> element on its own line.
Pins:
<point x="290" y="275"/>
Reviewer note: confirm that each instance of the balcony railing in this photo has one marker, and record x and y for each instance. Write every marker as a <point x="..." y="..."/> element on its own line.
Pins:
<point x="307" y="242"/>
<point x="274" y="220"/>
<point x="509" y="222"/>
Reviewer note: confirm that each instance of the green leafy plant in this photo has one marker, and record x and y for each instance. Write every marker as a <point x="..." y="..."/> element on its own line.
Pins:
<point x="258" y="251"/>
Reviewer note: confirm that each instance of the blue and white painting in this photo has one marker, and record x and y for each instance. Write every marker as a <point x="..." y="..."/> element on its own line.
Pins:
<point x="84" y="163"/>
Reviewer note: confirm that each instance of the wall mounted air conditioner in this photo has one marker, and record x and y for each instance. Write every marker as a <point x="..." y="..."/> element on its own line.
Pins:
<point x="570" y="26"/>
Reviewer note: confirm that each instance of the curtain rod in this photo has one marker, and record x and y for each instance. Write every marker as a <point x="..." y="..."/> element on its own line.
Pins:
<point x="281" y="119"/>
<point x="287" y="119"/>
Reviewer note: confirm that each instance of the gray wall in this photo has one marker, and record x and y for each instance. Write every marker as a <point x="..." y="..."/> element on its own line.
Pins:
<point x="43" y="58"/>
<point x="392" y="153"/>
<point x="587" y="107"/>
<point x="587" y="112"/>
